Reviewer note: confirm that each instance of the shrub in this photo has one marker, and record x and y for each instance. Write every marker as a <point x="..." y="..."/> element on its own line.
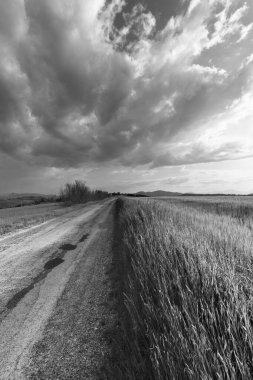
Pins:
<point x="79" y="192"/>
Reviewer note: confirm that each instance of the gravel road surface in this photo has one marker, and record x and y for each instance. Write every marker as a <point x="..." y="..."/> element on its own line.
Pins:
<point x="53" y="290"/>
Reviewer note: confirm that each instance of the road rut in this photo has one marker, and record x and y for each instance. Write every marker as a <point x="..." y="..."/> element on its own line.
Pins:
<point x="53" y="286"/>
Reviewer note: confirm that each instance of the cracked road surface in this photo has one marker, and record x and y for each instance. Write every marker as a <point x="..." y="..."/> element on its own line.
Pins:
<point x="53" y="287"/>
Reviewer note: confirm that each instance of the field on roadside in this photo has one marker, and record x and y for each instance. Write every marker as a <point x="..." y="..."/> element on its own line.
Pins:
<point x="12" y="219"/>
<point x="187" y="288"/>
<point x="20" y="200"/>
<point x="240" y="207"/>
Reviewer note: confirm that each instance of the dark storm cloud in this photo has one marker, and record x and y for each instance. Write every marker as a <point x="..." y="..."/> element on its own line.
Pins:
<point x="69" y="95"/>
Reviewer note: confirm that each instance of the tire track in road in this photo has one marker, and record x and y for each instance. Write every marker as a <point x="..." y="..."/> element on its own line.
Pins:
<point x="48" y="267"/>
<point x="75" y="342"/>
<point x="30" y="308"/>
<point x="26" y="254"/>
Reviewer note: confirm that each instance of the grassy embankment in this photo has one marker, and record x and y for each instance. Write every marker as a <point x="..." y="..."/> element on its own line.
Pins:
<point x="188" y="291"/>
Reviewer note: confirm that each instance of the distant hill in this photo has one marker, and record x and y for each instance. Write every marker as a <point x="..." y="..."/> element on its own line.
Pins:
<point x="158" y="193"/>
<point x="162" y="193"/>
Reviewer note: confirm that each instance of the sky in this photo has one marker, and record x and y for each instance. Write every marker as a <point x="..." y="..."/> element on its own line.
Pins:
<point x="126" y="95"/>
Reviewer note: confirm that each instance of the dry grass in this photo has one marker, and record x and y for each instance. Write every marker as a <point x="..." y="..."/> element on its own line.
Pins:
<point x="240" y="207"/>
<point x="20" y="200"/>
<point x="188" y="292"/>
<point x="13" y="219"/>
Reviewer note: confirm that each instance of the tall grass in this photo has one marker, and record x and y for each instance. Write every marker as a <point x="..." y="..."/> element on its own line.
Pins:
<point x="79" y="192"/>
<point x="188" y="293"/>
<point x="240" y="207"/>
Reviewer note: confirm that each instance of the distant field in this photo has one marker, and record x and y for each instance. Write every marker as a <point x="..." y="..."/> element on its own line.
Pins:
<point x="17" y="202"/>
<point x="12" y="219"/>
<point x="20" y="200"/>
<point x="240" y="207"/>
<point x="187" y="288"/>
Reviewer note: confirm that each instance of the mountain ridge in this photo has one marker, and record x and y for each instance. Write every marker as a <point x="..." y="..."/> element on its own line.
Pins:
<point x="158" y="193"/>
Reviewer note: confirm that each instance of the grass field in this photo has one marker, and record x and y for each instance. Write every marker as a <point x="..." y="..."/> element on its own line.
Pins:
<point x="240" y="207"/>
<point x="187" y="289"/>
<point x="20" y="200"/>
<point x="15" y="218"/>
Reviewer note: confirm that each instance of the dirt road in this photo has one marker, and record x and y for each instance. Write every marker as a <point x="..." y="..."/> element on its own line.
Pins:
<point x="53" y="287"/>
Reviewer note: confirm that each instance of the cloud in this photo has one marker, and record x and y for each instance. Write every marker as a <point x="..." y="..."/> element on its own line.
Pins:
<point x="197" y="153"/>
<point x="74" y="89"/>
<point x="155" y="183"/>
<point x="176" y="180"/>
<point x="226" y="21"/>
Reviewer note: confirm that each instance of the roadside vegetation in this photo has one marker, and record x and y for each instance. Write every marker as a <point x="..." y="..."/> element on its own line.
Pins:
<point x="187" y="291"/>
<point x="20" y="200"/>
<point x="79" y="192"/>
<point x="240" y="207"/>
<point x="38" y="209"/>
<point x="16" y="218"/>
